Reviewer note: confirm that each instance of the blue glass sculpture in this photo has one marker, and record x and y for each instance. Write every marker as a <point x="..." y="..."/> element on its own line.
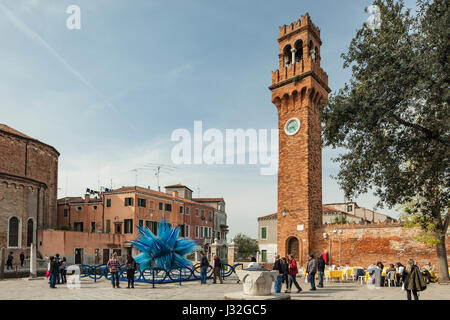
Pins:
<point x="166" y="249"/>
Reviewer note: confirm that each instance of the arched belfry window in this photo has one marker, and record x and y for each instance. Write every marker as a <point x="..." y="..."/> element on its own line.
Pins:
<point x="287" y="55"/>
<point x="13" y="232"/>
<point x="30" y="232"/>
<point x="298" y="50"/>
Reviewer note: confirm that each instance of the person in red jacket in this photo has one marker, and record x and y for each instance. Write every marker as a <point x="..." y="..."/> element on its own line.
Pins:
<point x="293" y="270"/>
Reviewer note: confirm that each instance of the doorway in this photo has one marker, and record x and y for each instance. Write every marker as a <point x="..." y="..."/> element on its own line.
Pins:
<point x="78" y="256"/>
<point x="293" y="247"/>
<point x="105" y="256"/>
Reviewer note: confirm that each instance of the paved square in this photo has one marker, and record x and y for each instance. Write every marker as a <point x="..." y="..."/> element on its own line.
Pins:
<point x="13" y="289"/>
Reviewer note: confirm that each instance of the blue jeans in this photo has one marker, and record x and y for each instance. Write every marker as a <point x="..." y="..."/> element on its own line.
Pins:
<point x="203" y="274"/>
<point x="115" y="278"/>
<point x="320" y="276"/>
<point x="278" y="282"/>
<point x="53" y="280"/>
<point x="311" y="280"/>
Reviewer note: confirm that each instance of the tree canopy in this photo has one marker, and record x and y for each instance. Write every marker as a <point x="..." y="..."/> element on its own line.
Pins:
<point x="392" y="117"/>
<point x="247" y="247"/>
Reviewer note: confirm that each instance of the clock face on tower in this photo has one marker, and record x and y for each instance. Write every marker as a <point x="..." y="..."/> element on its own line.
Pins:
<point x="292" y="126"/>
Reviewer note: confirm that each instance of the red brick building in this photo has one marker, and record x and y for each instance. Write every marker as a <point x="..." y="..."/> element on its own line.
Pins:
<point x="28" y="189"/>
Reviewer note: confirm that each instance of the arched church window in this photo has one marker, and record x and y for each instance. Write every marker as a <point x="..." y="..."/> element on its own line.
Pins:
<point x="13" y="232"/>
<point x="30" y="232"/>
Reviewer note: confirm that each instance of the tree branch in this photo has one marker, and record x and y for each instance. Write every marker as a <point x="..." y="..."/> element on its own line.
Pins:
<point x="432" y="135"/>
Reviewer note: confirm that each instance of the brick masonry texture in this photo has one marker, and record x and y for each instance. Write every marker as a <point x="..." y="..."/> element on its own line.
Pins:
<point x="300" y="170"/>
<point x="28" y="180"/>
<point x="364" y="245"/>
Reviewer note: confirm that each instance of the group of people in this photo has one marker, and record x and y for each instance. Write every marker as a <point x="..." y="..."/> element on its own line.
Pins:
<point x="10" y="258"/>
<point x="288" y="270"/>
<point x="410" y="276"/>
<point x="217" y="268"/>
<point x="114" y="267"/>
<point x="57" y="271"/>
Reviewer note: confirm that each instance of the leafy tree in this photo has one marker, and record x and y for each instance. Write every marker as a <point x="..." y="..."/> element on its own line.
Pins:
<point x="392" y="118"/>
<point x="340" y="220"/>
<point x="247" y="247"/>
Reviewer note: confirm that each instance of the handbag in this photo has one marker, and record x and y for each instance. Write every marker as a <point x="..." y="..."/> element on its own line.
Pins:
<point x="47" y="274"/>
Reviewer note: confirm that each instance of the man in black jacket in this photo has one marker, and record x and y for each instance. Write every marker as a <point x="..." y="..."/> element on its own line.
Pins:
<point x="279" y="280"/>
<point x="277" y="264"/>
<point x="54" y="271"/>
<point x="320" y="270"/>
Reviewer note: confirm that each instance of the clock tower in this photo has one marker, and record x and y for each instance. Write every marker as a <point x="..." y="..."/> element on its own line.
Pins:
<point x="299" y="89"/>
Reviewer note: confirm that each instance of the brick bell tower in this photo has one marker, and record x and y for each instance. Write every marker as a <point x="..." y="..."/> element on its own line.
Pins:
<point x="299" y="88"/>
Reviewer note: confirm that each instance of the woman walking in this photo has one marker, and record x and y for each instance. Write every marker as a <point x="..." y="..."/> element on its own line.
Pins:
<point x="293" y="270"/>
<point x="413" y="280"/>
<point x="131" y="269"/>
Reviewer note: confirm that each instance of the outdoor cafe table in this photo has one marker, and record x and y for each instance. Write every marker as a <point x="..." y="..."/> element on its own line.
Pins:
<point x="335" y="274"/>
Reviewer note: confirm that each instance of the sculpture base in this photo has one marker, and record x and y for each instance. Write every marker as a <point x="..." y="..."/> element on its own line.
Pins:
<point x="241" y="296"/>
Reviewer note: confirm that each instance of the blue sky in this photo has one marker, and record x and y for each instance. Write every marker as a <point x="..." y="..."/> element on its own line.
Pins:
<point x="109" y="95"/>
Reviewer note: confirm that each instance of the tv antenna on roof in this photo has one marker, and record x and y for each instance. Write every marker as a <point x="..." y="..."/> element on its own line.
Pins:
<point x="158" y="168"/>
<point x="135" y="170"/>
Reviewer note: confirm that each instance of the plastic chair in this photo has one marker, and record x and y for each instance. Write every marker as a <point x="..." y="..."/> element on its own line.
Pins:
<point x="344" y="275"/>
<point x="362" y="278"/>
<point x="390" y="276"/>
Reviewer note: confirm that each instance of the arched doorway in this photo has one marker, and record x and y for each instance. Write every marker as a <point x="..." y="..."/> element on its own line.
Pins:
<point x="293" y="247"/>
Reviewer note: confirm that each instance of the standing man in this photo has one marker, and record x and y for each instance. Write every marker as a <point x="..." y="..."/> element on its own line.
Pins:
<point x="114" y="266"/>
<point x="204" y="264"/>
<point x="320" y="270"/>
<point x="311" y="269"/>
<point x="279" y="280"/>
<point x="293" y="270"/>
<point x="9" y="261"/>
<point x="22" y="258"/>
<point x="58" y="278"/>
<point x="54" y="272"/>
<point x="217" y="266"/>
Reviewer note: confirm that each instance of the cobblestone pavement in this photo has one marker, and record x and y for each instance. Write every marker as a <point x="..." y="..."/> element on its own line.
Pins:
<point x="11" y="289"/>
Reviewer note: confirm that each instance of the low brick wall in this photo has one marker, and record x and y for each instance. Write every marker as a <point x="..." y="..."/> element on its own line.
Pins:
<point x="362" y="245"/>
